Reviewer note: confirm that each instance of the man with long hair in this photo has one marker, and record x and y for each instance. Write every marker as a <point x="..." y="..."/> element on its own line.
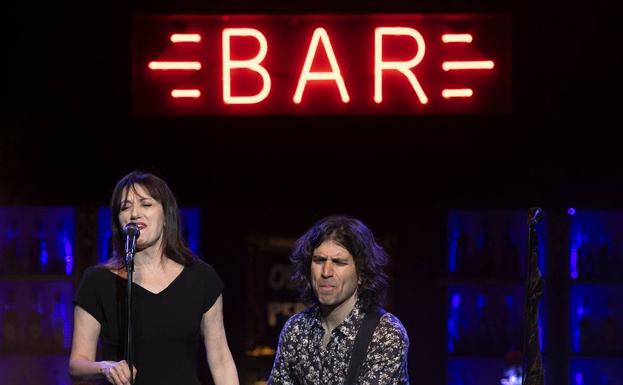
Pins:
<point x="344" y="337"/>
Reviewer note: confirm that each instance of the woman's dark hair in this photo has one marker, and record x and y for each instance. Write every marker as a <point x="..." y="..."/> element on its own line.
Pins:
<point x="172" y="241"/>
<point x="354" y="236"/>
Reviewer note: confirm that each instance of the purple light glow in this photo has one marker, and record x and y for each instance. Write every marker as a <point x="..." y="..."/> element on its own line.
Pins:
<point x="573" y="262"/>
<point x="579" y="378"/>
<point x="69" y="259"/>
<point x="456" y="301"/>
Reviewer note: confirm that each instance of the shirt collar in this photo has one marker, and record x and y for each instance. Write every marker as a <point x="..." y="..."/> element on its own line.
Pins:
<point x="349" y="326"/>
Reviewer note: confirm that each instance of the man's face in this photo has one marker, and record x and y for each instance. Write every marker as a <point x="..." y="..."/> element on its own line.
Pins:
<point x="333" y="274"/>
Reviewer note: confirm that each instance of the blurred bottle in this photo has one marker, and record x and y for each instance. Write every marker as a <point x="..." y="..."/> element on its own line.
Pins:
<point x="510" y="253"/>
<point x="583" y="254"/>
<point x="10" y="250"/>
<point x="603" y="258"/>
<point x="587" y="267"/>
<point x="454" y="335"/>
<point x="39" y="256"/>
<point x="185" y="233"/>
<point x="463" y="257"/>
<point x="617" y="264"/>
<point x="483" y="338"/>
<point x="65" y="260"/>
<point x="493" y="331"/>
<point x="507" y="323"/>
<point x="608" y="342"/>
<point x="586" y="326"/>
<point x="485" y="250"/>
<point x="104" y="244"/>
<point x="10" y="323"/>
<point x="35" y="325"/>
<point x="604" y="379"/>
<point x="60" y="322"/>
<point x="463" y="380"/>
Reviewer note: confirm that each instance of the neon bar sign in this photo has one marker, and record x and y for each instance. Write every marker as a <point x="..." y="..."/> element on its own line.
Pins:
<point x="321" y="64"/>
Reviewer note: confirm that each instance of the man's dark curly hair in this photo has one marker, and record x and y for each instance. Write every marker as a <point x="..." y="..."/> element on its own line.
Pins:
<point x="354" y="236"/>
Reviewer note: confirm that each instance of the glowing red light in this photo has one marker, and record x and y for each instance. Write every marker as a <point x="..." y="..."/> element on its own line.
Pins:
<point x="252" y="64"/>
<point x="186" y="93"/>
<point x="457" y="93"/>
<point x="175" y="65"/>
<point x="297" y="64"/>
<point x="467" y="65"/>
<point x="404" y="67"/>
<point x="185" y="38"/>
<point x="320" y="35"/>
<point x="456" y="38"/>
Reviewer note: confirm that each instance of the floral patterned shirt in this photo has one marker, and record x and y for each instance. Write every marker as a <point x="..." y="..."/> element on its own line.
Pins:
<point x="302" y="360"/>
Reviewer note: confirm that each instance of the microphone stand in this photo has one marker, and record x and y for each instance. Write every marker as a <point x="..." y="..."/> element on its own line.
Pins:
<point x="532" y="372"/>
<point x="129" y="264"/>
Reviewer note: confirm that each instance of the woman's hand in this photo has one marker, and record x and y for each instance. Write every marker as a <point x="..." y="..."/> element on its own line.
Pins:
<point x="117" y="373"/>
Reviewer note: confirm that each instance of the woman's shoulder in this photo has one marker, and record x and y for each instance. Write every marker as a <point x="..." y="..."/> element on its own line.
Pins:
<point x="96" y="275"/>
<point x="200" y="267"/>
<point x="96" y="271"/>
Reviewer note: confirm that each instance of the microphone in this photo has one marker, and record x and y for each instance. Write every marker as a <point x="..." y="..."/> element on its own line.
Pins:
<point x="131" y="233"/>
<point x="535" y="214"/>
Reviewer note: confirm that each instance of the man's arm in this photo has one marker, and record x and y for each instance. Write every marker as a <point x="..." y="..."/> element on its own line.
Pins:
<point x="281" y="374"/>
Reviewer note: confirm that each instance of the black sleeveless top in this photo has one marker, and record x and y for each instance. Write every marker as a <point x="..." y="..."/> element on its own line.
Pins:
<point x="166" y="325"/>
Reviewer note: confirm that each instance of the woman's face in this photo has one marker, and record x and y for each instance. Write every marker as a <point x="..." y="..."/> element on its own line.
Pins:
<point x="139" y="207"/>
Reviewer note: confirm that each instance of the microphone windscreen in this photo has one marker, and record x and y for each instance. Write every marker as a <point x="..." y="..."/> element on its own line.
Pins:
<point x="131" y="230"/>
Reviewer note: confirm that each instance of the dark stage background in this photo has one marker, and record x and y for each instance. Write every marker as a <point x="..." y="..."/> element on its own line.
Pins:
<point x="67" y="134"/>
